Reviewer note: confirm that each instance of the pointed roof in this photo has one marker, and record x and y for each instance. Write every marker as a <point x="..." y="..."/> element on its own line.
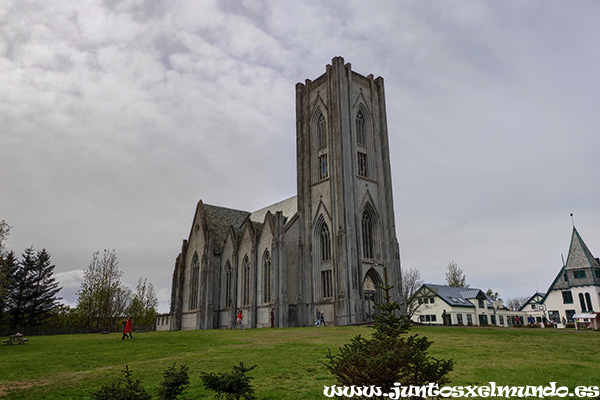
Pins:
<point x="579" y="255"/>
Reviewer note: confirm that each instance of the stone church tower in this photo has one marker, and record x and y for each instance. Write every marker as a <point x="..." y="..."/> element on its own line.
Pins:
<point x="345" y="202"/>
<point x="329" y="247"/>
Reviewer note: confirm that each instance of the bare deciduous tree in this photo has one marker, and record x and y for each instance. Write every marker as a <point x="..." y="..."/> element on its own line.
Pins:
<point x="411" y="282"/>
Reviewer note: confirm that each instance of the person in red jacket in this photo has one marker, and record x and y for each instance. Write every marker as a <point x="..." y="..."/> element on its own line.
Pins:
<point x="128" y="329"/>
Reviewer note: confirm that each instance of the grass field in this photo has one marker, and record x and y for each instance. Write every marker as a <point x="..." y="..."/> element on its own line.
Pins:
<point x="289" y="361"/>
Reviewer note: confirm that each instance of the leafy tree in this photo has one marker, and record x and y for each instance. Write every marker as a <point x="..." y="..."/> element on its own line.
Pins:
<point x="455" y="276"/>
<point x="389" y="356"/>
<point x="144" y="305"/>
<point x="175" y="381"/>
<point x="102" y="296"/>
<point x="4" y="230"/>
<point x="411" y="282"/>
<point x="233" y="385"/>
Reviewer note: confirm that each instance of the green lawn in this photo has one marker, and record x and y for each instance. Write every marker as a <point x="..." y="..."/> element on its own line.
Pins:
<point x="289" y="361"/>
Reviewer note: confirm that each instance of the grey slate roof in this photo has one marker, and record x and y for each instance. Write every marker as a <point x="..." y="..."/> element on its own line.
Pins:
<point x="218" y="220"/>
<point x="288" y="208"/>
<point x="456" y="296"/>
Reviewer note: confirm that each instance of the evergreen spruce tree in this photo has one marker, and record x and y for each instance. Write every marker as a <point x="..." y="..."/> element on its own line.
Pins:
<point x="8" y="267"/>
<point x="21" y="289"/>
<point x="44" y="290"/>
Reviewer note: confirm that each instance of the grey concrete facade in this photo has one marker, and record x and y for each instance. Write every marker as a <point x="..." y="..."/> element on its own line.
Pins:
<point x="328" y="247"/>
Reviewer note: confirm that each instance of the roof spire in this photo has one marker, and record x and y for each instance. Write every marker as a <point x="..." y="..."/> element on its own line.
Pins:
<point x="572" y="220"/>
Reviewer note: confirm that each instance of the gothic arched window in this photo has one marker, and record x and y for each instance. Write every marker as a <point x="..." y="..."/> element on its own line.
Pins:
<point x="367" y="234"/>
<point x="194" y="282"/>
<point x="325" y="243"/>
<point x="361" y="129"/>
<point x="246" y="281"/>
<point x="228" y="284"/>
<point x="267" y="277"/>
<point x="321" y="132"/>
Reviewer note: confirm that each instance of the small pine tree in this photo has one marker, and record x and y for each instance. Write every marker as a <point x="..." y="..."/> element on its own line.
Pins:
<point x="175" y="381"/>
<point x="123" y="389"/>
<point x="233" y="385"/>
<point x="389" y="356"/>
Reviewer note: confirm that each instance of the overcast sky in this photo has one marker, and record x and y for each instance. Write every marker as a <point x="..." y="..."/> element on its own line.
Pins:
<point x="116" y="117"/>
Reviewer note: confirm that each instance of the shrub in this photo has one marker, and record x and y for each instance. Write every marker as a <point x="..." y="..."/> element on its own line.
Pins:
<point x="123" y="389"/>
<point x="233" y="385"/>
<point x="389" y="356"/>
<point x="175" y="381"/>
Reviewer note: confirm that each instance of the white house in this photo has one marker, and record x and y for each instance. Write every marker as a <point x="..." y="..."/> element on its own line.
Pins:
<point x="446" y="305"/>
<point x="575" y="292"/>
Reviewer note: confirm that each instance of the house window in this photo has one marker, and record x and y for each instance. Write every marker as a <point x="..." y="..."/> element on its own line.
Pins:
<point x="566" y="277"/>
<point x="362" y="164"/>
<point x="579" y="274"/>
<point x="326" y="283"/>
<point x="321" y="132"/>
<point x="323" y="171"/>
<point x="533" y="306"/>
<point x="361" y="129"/>
<point x="567" y="297"/>
<point x="481" y="305"/>
<point x="432" y="300"/>
<point x="501" y="320"/>
<point x="588" y="301"/>
<point x="569" y="314"/>
<point x="325" y="243"/>
<point x="469" y="319"/>
<point x="246" y="281"/>
<point x="267" y="277"/>
<point x="228" y="284"/>
<point x="582" y="302"/>
<point x="459" y="319"/>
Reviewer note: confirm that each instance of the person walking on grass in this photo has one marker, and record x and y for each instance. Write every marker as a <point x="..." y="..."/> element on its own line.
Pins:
<point x="128" y="329"/>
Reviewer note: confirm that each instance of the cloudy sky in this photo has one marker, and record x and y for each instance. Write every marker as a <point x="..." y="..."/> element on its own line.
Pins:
<point x="116" y="117"/>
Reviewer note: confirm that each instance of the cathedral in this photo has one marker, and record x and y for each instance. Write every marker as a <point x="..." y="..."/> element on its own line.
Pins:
<point x="329" y="247"/>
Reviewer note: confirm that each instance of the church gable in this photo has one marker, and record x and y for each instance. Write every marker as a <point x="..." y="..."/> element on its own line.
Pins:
<point x="218" y="221"/>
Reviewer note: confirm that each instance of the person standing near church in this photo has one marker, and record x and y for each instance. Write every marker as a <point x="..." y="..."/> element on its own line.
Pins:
<point x="240" y="320"/>
<point x="318" y="317"/>
<point x="323" y="319"/>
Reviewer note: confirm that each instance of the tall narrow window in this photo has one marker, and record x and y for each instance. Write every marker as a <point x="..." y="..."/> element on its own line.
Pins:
<point x="325" y="243"/>
<point x="582" y="302"/>
<point x="588" y="301"/>
<point x="246" y="281"/>
<point x="228" y="284"/>
<point x="267" y="277"/>
<point x="194" y="282"/>
<point x="367" y="234"/>
<point x="361" y="129"/>
<point x="321" y="132"/>
<point x="326" y="283"/>
<point x="323" y="169"/>
<point x="362" y="164"/>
